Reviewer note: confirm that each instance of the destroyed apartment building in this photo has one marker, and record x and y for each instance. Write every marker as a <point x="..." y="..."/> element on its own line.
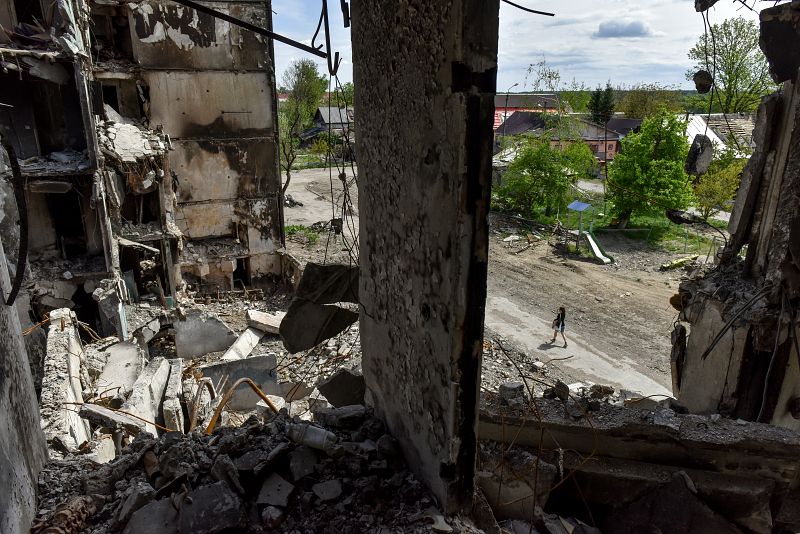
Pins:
<point x="141" y="191"/>
<point x="136" y="182"/>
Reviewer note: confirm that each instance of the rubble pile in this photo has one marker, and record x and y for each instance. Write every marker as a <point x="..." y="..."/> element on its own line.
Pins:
<point x="280" y="475"/>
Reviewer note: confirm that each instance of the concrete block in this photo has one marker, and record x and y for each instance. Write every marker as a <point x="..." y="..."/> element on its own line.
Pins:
<point x="302" y="462"/>
<point x="102" y="416"/>
<point x="328" y="490"/>
<point x="244" y="345"/>
<point x="211" y="509"/>
<point x="279" y="403"/>
<point x="200" y="333"/>
<point x="269" y="323"/>
<point x="275" y="491"/>
<point x="260" y="369"/>
<point x="172" y="409"/>
<point x="345" y="387"/>
<point x="123" y="366"/>
<point x="141" y="494"/>
<point x="147" y="392"/>
<point x="102" y="450"/>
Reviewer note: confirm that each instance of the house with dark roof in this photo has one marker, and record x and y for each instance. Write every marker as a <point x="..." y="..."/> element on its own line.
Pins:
<point x="507" y="104"/>
<point x="334" y="118"/>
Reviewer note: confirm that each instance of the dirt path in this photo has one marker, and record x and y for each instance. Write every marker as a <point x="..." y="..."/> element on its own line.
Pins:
<point x="618" y="319"/>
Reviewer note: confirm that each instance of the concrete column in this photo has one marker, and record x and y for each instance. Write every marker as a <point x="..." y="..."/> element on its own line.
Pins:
<point x="425" y="76"/>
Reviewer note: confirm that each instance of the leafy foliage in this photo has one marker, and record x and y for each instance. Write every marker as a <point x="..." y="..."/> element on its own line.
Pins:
<point x="577" y="95"/>
<point x="601" y="105"/>
<point x="541" y="175"/>
<point x="648" y="175"/>
<point x="730" y="52"/>
<point x="718" y="186"/>
<point x="302" y="233"/>
<point x="645" y="99"/>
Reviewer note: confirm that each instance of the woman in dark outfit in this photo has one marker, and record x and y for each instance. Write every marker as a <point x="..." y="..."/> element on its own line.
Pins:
<point x="558" y="325"/>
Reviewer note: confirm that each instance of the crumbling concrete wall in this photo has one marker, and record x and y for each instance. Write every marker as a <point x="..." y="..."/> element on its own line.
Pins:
<point x="741" y="357"/>
<point x="426" y="101"/>
<point x="224" y="136"/>
<point x="22" y="446"/>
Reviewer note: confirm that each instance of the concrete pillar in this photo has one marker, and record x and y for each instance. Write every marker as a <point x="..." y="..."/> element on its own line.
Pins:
<point x="425" y="76"/>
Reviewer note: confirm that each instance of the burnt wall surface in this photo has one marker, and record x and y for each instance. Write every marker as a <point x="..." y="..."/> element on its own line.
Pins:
<point x="425" y="77"/>
<point x="212" y="88"/>
<point x="22" y="447"/>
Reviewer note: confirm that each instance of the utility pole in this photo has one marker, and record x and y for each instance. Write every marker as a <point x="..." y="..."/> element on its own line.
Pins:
<point x="505" y="109"/>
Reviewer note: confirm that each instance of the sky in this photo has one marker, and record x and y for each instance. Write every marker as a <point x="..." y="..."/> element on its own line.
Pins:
<point x="624" y="41"/>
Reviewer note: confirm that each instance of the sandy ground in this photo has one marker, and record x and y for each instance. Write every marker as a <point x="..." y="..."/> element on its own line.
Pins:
<point x="618" y="316"/>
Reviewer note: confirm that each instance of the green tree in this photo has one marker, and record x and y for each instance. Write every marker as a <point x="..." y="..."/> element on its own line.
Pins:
<point x="577" y="95"/>
<point x="645" y="99"/>
<point x="541" y="175"/>
<point x="648" y="175"/>
<point x="601" y="105"/>
<point x="718" y="186"/>
<point x="305" y="86"/>
<point x="730" y="52"/>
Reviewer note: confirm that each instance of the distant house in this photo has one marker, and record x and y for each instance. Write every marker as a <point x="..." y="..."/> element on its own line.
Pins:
<point x="340" y="119"/>
<point x="603" y="142"/>
<point x="734" y="130"/>
<point x="624" y="126"/>
<point x="506" y="105"/>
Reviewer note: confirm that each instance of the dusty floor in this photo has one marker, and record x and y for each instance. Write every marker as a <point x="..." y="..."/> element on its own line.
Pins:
<point x="618" y="316"/>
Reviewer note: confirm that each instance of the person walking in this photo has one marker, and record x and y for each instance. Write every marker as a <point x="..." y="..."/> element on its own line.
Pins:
<point x="558" y="325"/>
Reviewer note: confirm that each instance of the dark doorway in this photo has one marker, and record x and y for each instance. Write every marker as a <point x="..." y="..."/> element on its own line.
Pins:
<point x="241" y="276"/>
<point x="29" y="11"/>
<point x="87" y="311"/>
<point x="67" y="216"/>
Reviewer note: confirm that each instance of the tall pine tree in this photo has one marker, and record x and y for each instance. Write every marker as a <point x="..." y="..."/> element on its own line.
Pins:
<point x="601" y="105"/>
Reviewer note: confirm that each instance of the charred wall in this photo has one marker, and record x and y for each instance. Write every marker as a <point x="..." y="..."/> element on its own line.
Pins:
<point x="424" y="239"/>
<point x="212" y="87"/>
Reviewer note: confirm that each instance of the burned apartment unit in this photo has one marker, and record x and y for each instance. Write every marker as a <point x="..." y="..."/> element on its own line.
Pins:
<point x="146" y="140"/>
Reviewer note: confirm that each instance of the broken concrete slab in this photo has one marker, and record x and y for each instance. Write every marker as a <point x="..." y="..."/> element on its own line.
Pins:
<point x="200" y="333"/>
<point x="103" y="416"/>
<point x="61" y="384"/>
<point x="344" y="388"/>
<point x="172" y="409"/>
<point x="307" y="324"/>
<point x="302" y="462"/>
<point x="141" y="494"/>
<point x="780" y="40"/>
<point x="260" y="369"/>
<point x="269" y="323"/>
<point x="244" y="345"/>
<point x="146" y="394"/>
<point x="293" y="391"/>
<point x="210" y="509"/>
<point x="158" y="517"/>
<point x="327" y="284"/>
<point x="123" y="366"/>
<point x="513" y="394"/>
<point x="275" y="491"/>
<point x="279" y="403"/>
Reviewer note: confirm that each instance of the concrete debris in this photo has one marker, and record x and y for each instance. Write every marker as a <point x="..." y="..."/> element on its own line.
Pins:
<point x="146" y="394"/>
<point x="269" y="323"/>
<point x="171" y="406"/>
<point x="513" y="394"/>
<point x="703" y="81"/>
<point x="700" y="155"/>
<point x="200" y="333"/>
<point x="105" y="417"/>
<point x="275" y="491"/>
<point x="279" y="403"/>
<point x="210" y="509"/>
<point x="125" y="361"/>
<point x="139" y="495"/>
<point x="244" y="345"/>
<point x="260" y="369"/>
<point x="344" y="388"/>
<point x="307" y="324"/>
<point x="302" y="462"/>
<point x="780" y="40"/>
<point x="343" y="417"/>
<point x="328" y="490"/>
<point x="328" y="284"/>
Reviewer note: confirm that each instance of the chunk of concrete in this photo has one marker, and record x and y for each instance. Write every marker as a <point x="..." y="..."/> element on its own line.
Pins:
<point x="141" y="495"/>
<point x="210" y="509"/>
<point x="275" y="491"/>
<point x="344" y="388"/>
<point x="513" y="394"/>
<point x="145" y="398"/>
<point x="279" y="403"/>
<point x="123" y="366"/>
<point x="269" y="323"/>
<point x="307" y="324"/>
<point x="302" y="462"/>
<point x="261" y="369"/>
<point x="780" y="40"/>
<point x="102" y="416"/>
<point x="243" y="345"/>
<point x="349" y="417"/>
<point x="61" y="383"/>
<point x="200" y="333"/>
<point x="328" y="490"/>
<point x="293" y="391"/>
<point x="172" y="409"/>
<point x="158" y="517"/>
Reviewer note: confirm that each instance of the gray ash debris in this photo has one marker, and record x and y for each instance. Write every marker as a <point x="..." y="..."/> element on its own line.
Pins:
<point x="278" y="476"/>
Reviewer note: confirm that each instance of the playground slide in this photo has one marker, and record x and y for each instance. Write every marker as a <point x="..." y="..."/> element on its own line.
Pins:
<point x="595" y="248"/>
